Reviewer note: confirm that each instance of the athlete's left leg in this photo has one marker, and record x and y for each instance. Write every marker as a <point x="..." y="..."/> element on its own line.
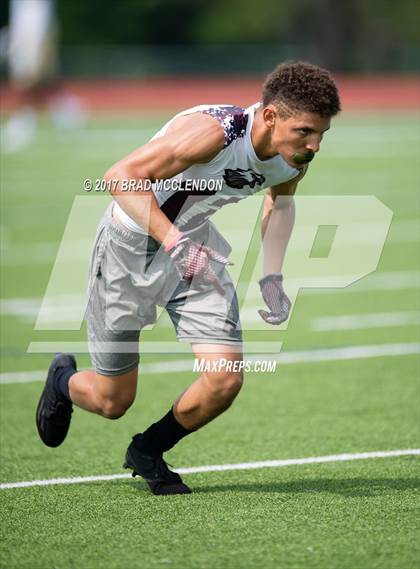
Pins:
<point x="210" y="395"/>
<point x="216" y="388"/>
<point x="209" y="321"/>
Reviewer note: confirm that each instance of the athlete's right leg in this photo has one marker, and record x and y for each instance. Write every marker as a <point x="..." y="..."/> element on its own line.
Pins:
<point x="113" y="326"/>
<point x="114" y="320"/>
<point x="109" y="396"/>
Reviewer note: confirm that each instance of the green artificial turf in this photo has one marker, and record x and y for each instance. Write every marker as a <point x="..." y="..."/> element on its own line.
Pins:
<point x="343" y="515"/>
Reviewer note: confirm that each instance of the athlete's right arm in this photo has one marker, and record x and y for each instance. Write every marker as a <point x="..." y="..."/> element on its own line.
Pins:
<point x="191" y="139"/>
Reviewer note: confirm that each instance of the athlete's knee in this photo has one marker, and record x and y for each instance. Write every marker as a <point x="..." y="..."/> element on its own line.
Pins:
<point x="114" y="395"/>
<point x="225" y="384"/>
<point x="232" y="385"/>
<point x="114" y="408"/>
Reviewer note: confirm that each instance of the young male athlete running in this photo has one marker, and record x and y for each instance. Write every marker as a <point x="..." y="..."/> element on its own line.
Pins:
<point x="157" y="247"/>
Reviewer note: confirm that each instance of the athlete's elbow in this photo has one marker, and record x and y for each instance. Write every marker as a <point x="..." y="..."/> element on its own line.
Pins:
<point x="111" y="174"/>
<point x="119" y="173"/>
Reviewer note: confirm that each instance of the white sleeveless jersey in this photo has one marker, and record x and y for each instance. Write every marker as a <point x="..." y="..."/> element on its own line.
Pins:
<point x="192" y="196"/>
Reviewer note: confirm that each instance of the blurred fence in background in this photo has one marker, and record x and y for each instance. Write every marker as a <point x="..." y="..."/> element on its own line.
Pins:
<point x="138" y="38"/>
<point x="218" y="59"/>
<point x="170" y="54"/>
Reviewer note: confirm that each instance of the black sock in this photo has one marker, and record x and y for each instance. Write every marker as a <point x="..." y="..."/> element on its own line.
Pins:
<point x="62" y="376"/>
<point x="161" y="436"/>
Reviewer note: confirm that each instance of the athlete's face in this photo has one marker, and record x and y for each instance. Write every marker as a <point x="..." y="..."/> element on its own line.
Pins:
<point x="297" y="138"/>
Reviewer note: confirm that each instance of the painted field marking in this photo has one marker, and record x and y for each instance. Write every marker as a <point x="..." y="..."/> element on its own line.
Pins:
<point x="284" y="358"/>
<point x="364" y="321"/>
<point x="222" y="467"/>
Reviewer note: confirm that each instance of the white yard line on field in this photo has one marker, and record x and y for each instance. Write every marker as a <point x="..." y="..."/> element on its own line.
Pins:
<point x="223" y="467"/>
<point x="364" y="321"/>
<point x="284" y="358"/>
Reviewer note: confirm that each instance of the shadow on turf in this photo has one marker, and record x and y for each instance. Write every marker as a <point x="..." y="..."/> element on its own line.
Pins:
<point x="351" y="488"/>
<point x="355" y="487"/>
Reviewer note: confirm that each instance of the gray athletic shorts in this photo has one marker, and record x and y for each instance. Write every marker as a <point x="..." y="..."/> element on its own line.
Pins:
<point x="130" y="275"/>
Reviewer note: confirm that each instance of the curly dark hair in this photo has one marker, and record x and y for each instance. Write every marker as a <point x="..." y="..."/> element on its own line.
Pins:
<point x="298" y="86"/>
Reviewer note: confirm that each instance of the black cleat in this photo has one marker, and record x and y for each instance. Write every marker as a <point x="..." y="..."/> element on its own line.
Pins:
<point x="155" y="471"/>
<point x="53" y="413"/>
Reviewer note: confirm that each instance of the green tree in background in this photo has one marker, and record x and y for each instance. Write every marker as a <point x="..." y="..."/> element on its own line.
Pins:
<point x="345" y="35"/>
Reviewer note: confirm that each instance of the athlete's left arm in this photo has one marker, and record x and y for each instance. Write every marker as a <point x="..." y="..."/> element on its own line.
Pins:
<point x="277" y="223"/>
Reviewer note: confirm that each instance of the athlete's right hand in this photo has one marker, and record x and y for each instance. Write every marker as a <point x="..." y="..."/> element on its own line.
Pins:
<point x="193" y="261"/>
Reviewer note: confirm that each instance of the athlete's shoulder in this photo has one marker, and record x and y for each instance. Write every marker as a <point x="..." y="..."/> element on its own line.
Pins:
<point x="232" y="119"/>
<point x="193" y="136"/>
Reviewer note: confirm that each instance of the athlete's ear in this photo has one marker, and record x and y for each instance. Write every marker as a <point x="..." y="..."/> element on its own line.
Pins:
<point x="269" y="116"/>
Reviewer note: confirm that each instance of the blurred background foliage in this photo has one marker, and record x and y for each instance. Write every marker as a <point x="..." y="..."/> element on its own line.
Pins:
<point x="137" y="37"/>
